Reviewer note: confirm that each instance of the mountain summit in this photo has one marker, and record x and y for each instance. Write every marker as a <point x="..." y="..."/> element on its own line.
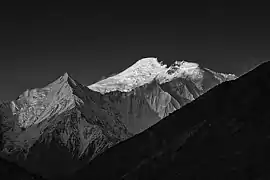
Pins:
<point x="223" y="134"/>
<point x="149" y="91"/>
<point x="36" y="105"/>
<point x="146" y="70"/>
<point x="60" y="128"/>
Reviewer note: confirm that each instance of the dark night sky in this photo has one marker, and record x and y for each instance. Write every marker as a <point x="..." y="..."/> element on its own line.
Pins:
<point x="39" y="44"/>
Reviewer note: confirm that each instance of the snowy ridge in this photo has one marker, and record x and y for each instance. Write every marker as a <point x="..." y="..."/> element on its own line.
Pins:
<point x="35" y="105"/>
<point x="180" y="69"/>
<point x="144" y="71"/>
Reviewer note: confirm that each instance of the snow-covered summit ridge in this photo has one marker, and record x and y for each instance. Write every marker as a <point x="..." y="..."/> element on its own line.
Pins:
<point x="143" y="71"/>
<point x="146" y="70"/>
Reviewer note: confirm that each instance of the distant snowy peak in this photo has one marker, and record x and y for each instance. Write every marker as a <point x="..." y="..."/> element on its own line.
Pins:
<point x="142" y="72"/>
<point x="36" y="105"/>
<point x="144" y="66"/>
<point x="146" y="70"/>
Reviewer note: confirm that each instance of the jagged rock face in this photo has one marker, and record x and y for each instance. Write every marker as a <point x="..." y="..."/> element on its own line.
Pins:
<point x="61" y="127"/>
<point x="35" y="105"/>
<point x="223" y="134"/>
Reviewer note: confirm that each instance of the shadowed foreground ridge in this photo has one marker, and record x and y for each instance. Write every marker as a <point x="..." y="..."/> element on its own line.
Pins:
<point x="15" y="172"/>
<point x="223" y="134"/>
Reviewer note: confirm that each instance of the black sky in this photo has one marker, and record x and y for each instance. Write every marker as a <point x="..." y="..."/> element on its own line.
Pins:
<point x="40" y="43"/>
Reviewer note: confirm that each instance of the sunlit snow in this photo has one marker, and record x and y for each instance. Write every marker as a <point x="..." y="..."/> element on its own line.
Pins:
<point x="143" y="72"/>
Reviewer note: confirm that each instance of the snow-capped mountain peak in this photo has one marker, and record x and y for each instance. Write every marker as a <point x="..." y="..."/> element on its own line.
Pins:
<point x="143" y="72"/>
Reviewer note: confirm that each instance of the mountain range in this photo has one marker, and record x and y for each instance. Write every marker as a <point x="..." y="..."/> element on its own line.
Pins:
<point x="59" y="129"/>
<point x="223" y="134"/>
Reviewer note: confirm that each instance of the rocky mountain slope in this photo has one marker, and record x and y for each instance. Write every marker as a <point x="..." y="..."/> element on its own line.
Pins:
<point x="60" y="128"/>
<point x="223" y="134"/>
<point x="149" y="91"/>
